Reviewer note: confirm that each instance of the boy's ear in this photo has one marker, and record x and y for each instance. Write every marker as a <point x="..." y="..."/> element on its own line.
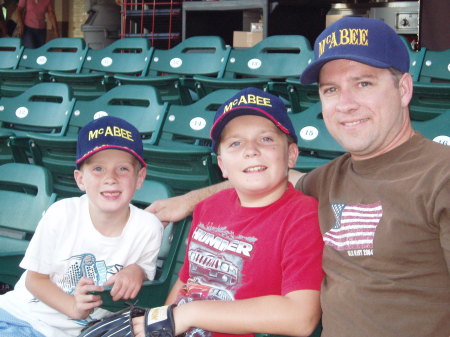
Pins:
<point x="292" y="155"/>
<point x="78" y="175"/>
<point x="141" y="177"/>
<point x="222" y="166"/>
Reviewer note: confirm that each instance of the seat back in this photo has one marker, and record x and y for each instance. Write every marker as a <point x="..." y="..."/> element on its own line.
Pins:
<point x="436" y="67"/>
<point x="415" y="59"/>
<point x="197" y="55"/>
<point x="44" y="108"/>
<point x="60" y="54"/>
<point x="123" y="56"/>
<point x="182" y="158"/>
<point x="431" y="93"/>
<point x="436" y="128"/>
<point x="23" y="187"/>
<point x="25" y="194"/>
<point x="275" y="57"/>
<point x="191" y="124"/>
<point x="313" y="136"/>
<point x="138" y="104"/>
<point x="10" y="51"/>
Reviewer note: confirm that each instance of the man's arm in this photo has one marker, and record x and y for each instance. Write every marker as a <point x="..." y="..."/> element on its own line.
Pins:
<point x="179" y="207"/>
<point x="295" y="314"/>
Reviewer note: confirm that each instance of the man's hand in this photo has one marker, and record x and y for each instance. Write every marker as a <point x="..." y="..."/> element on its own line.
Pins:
<point x="84" y="302"/>
<point x="171" y="209"/>
<point x="180" y="207"/>
<point x="126" y="283"/>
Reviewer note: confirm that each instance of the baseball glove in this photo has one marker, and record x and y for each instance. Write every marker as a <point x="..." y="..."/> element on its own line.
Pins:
<point x="159" y="322"/>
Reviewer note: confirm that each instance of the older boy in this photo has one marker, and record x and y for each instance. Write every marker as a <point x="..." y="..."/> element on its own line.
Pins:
<point x="253" y="262"/>
<point x="85" y="242"/>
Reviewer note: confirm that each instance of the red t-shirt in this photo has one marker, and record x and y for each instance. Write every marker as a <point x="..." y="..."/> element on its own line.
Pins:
<point x="236" y="252"/>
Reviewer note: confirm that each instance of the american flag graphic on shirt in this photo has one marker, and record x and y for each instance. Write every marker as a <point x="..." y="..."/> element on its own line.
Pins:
<point x="354" y="227"/>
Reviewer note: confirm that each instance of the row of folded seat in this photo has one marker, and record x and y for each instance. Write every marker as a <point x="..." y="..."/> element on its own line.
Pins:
<point x="41" y="125"/>
<point x="198" y="66"/>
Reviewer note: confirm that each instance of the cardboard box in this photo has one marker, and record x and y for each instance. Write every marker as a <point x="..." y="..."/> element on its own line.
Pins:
<point x="246" y="39"/>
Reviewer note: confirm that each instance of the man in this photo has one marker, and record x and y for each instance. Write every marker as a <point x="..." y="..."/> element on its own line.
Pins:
<point x="384" y="206"/>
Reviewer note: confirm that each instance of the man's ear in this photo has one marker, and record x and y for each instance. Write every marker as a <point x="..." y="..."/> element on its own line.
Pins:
<point x="292" y="155"/>
<point x="78" y="175"/>
<point x="406" y="89"/>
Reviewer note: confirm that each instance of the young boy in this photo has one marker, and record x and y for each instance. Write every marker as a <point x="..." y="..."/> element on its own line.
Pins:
<point x="85" y="242"/>
<point x="253" y="262"/>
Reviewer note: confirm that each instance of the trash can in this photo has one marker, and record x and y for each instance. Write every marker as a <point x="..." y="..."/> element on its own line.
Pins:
<point x="102" y="26"/>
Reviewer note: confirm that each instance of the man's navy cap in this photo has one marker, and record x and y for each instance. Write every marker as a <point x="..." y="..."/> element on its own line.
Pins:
<point x="109" y="133"/>
<point x="366" y="40"/>
<point x="252" y="101"/>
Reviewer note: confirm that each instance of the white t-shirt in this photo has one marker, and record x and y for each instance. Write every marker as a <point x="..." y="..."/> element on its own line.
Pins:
<point x="66" y="246"/>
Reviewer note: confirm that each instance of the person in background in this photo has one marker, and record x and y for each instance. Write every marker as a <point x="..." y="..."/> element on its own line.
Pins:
<point x="384" y="206"/>
<point x="32" y="25"/>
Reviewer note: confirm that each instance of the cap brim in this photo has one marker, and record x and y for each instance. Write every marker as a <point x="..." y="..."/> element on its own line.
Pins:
<point x="311" y="73"/>
<point x="110" y="147"/>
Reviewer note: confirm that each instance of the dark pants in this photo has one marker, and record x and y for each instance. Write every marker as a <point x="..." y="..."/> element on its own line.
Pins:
<point x="34" y="38"/>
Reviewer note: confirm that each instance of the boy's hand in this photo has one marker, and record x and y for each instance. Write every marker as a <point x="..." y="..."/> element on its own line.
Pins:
<point x="126" y="283"/>
<point x="85" y="302"/>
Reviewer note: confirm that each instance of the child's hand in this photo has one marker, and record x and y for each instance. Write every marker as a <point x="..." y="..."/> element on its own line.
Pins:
<point x="126" y="283"/>
<point x="85" y="302"/>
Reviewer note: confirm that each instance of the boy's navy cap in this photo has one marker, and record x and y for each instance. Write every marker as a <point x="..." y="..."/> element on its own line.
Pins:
<point x="252" y="101"/>
<point x="366" y="40"/>
<point x="108" y="133"/>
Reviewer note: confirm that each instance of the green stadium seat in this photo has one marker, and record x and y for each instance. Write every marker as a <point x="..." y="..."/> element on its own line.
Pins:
<point x="182" y="156"/>
<point x="316" y="145"/>
<point x="415" y="59"/>
<point x="25" y="194"/>
<point x="298" y="96"/>
<point x="153" y="293"/>
<point x="60" y="54"/>
<point x="171" y="70"/>
<point x="138" y="104"/>
<point x="275" y="58"/>
<point x="124" y="56"/>
<point x="431" y="94"/>
<point x="436" y="129"/>
<point x="10" y="51"/>
<point x="44" y="108"/>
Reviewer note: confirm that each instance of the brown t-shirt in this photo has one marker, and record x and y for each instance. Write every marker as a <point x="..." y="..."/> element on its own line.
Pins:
<point x="386" y="226"/>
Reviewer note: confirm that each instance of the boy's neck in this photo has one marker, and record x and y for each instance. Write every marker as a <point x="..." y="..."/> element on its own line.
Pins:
<point x="110" y="224"/>
<point x="263" y="199"/>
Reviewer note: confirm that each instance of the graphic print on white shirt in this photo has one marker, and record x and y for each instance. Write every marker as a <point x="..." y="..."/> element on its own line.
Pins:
<point x="85" y="265"/>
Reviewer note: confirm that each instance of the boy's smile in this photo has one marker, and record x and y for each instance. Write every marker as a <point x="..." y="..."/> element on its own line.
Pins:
<point x="255" y="156"/>
<point x="110" y="178"/>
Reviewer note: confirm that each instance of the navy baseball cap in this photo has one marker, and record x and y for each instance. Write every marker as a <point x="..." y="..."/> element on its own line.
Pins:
<point x="366" y="40"/>
<point x="108" y="133"/>
<point x="252" y="101"/>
